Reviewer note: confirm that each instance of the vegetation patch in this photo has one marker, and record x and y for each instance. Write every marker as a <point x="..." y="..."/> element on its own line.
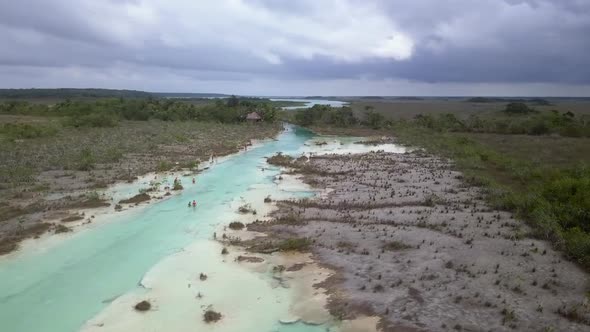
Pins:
<point x="246" y="208"/>
<point x="62" y="229"/>
<point x="552" y="200"/>
<point x="236" y="225"/>
<point x="8" y="211"/>
<point x="289" y="219"/>
<point x="280" y="160"/>
<point x="211" y="316"/>
<point x="177" y="185"/>
<point x="11" y="241"/>
<point x="136" y="199"/>
<point x="86" y="160"/>
<point x="295" y="244"/>
<point x="89" y="201"/>
<point x="72" y="218"/>
<point x="395" y="246"/>
<point x="143" y="306"/>
<point x="16" y="131"/>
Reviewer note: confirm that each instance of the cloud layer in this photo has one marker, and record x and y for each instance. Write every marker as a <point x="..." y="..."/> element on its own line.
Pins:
<point x="185" y="44"/>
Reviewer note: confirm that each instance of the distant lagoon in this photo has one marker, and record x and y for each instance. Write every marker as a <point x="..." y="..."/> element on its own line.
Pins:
<point x="311" y="102"/>
<point x="308" y="102"/>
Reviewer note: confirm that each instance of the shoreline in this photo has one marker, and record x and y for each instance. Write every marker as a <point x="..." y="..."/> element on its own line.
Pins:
<point x="302" y="270"/>
<point x="440" y="242"/>
<point x="182" y="267"/>
<point x="153" y="251"/>
<point x="121" y="189"/>
<point x="294" y="270"/>
<point x="32" y="214"/>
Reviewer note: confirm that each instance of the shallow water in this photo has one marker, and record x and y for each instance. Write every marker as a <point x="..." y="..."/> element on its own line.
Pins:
<point x="311" y="102"/>
<point x="91" y="279"/>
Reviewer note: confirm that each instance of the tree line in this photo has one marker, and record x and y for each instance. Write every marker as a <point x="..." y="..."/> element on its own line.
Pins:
<point x="109" y="111"/>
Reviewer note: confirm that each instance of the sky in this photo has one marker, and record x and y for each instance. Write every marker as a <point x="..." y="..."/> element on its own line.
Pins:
<point x="303" y="47"/>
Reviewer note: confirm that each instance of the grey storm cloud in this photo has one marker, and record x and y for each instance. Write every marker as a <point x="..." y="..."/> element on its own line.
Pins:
<point x="431" y="41"/>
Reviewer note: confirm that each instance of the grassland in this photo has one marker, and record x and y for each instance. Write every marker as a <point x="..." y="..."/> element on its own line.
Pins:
<point x="408" y="109"/>
<point x="543" y="177"/>
<point x="93" y="149"/>
<point x="531" y="158"/>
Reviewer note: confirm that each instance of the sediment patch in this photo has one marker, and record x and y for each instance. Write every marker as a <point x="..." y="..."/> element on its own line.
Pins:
<point x="415" y="245"/>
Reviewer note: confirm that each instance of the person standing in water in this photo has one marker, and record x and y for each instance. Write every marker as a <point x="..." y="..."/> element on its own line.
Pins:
<point x="189" y="203"/>
<point x="194" y="203"/>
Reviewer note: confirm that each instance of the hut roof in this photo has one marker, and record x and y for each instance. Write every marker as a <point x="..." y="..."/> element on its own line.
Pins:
<point x="253" y="116"/>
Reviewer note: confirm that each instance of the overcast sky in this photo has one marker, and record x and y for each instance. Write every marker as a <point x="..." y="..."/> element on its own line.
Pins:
<point x="303" y="47"/>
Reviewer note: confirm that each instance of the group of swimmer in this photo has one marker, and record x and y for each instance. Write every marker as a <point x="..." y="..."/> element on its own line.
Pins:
<point x="177" y="181"/>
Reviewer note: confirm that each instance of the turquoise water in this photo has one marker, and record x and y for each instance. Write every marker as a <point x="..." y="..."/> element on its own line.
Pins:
<point x="59" y="289"/>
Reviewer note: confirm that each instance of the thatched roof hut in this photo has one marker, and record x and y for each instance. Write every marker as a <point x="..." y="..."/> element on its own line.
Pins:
<point x="253" y="117"/>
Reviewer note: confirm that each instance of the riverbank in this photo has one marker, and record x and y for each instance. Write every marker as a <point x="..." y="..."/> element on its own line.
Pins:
<point x="289" y="268"/>
<point x="74" y="170"/>
<point x="104" y="265"/>
<point x="415" y="245"/>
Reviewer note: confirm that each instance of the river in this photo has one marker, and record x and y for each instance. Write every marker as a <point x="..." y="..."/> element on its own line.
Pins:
<point x="310" y="102"/>
<point x="90" y="279"/>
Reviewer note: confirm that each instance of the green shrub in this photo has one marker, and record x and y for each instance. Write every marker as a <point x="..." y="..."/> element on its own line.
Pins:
<point x="577" y="244"/>
<point x="517" y="108"/>
<point x="14" y="131"/>
<point x="102" y="119"/>
<point x="193" y="164"/>
<point x="16" y="174"/>
<point x="570" y="201"/>
<point x="374" y="120"/>
<point x="164" y="166"/>
<point x="177" y="185"/>
<point x="540" y="128"/>
<point x="86" y="160"/>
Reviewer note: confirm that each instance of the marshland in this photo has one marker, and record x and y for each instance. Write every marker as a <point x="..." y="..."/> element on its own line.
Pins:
<point x="382" y="217"/>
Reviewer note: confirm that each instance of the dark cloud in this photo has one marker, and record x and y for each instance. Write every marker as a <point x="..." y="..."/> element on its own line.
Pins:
<point x="432" y="41"/>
